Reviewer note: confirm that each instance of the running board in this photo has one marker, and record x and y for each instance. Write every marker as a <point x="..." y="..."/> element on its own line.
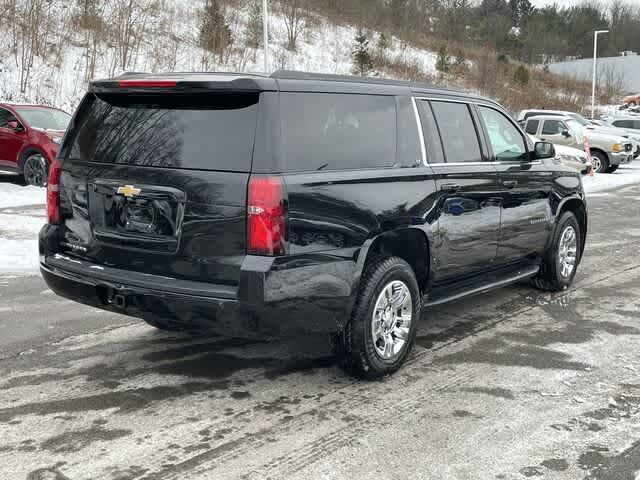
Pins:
<point x="521" y="275"/>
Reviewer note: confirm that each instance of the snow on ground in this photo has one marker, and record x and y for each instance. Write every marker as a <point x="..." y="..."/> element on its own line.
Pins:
<point x="624" y="176"/>
<point x="22" y="214"/>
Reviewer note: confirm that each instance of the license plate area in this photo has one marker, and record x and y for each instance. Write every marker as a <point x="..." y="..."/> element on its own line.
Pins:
<point x="139" y="217"/>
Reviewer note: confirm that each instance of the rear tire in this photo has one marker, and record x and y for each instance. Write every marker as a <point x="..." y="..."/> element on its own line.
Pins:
<point x="600" y="162"/>
<point x="565" y="248"/>
<point x="612" y="168"/>
<point x="381" y="331"/>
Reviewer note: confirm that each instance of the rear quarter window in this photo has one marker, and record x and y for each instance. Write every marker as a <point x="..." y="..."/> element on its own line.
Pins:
<point x="326" y="131"/>
<point x="201" y="131"/>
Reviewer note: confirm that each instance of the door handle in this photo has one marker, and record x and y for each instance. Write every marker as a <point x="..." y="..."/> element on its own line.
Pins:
<point x="510" y="183"/>
<point x="450" y="187"/>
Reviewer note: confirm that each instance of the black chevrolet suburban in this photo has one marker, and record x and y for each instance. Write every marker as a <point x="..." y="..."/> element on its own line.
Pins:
<point x="301" y="203"/>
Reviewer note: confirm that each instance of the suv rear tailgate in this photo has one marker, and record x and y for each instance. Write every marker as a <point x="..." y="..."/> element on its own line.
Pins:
<point x="156" y="184"/>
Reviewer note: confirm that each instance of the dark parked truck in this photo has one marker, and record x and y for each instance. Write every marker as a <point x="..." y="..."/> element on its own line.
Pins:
<point x="302" y="204"/>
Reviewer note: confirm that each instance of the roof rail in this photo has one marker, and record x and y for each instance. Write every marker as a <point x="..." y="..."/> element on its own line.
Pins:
<point x="297" y="75"/>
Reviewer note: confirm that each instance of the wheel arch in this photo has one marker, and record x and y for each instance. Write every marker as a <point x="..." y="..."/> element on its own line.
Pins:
<point x="26" y="153"/>
<point x="410" y="244"/>
<point x="599" y="150"/>
<point x="578" y="207"/>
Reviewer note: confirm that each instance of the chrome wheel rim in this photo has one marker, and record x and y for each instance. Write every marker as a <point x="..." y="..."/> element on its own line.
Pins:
<point x="35" y="171"/>
<point x="568" y="251"/>
<point x="596" y="164"/>
<point x="391" y="320"/>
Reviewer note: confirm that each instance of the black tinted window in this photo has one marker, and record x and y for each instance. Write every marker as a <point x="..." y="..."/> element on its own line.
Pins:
<point x="623" y="123"/>
<point x="431" y="136"/>
<point x="5" y="117"/>
<point x="532" y="126"/>
<point x="181" y="131"/>
<point x="458" y="132"/>
<point x="409" y="152"/>
<point x="324" y="131"/>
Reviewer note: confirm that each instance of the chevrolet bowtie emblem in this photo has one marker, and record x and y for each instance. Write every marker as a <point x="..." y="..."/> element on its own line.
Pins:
<point x="129" y="191"/>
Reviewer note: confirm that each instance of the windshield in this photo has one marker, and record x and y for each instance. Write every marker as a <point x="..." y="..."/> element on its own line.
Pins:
<point x="46" y="118"/>
<point x="580" y="119"/>
<point x="576" y="129"/>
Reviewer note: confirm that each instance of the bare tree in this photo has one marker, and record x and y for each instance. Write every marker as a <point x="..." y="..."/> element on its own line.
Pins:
<point x="293" y="13"/>
<point x="610" y="81"/>
<point x="29" y="36"/>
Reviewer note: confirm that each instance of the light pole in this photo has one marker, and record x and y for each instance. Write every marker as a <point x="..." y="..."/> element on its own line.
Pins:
<point x="265" y="33"/>
<point x="593" y="84"/>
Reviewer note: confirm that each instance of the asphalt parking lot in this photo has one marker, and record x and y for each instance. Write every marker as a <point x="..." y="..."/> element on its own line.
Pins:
<point x="507" y="385"/>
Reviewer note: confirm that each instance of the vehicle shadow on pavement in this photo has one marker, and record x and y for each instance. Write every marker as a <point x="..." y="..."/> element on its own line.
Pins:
<point x="12" y="178"/>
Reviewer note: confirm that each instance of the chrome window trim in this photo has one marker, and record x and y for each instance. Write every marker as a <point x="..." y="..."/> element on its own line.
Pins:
<point x="477" y="103"/>
<point x="423" y="146"/>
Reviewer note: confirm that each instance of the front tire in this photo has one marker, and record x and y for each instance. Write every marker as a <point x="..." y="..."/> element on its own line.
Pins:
<point x="381" y="331"/>
<point x="600" y="162"/>
<point x="35" y="170"/>
<point x="560" y="263"/>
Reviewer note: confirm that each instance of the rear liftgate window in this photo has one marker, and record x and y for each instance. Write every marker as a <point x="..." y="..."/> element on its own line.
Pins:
<point x="199" y="131"/>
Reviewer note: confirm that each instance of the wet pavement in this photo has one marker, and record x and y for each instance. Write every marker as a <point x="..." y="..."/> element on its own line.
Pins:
<point x="507" y="385"/>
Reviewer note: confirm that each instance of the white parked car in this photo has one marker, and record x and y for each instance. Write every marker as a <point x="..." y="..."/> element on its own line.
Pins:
<point x="570" y="157"/>
<point x="588" y="125"/>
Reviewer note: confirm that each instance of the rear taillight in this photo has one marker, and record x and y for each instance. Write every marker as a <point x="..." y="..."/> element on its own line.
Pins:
<point x="147" y="83"/>
<point x="266" y="216"/>
<point x="53" y="193"/>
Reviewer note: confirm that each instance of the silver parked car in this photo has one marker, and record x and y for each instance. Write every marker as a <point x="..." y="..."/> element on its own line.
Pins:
<point x="607" y="151"/>
<point x="630" y="124"/>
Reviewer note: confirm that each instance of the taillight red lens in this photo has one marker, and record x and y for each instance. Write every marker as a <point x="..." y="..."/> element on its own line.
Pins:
<point x="53" y="193"/>
<point x="266" y="216"/>
<point x="147" y="83"/>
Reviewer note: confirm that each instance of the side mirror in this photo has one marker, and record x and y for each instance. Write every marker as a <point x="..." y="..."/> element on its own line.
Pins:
<point x="566" y="134"/>
<point x="14" y="125"/>
<point x="543" y="150"/>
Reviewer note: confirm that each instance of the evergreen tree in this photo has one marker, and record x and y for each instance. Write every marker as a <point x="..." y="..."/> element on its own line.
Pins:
<point x="362" y="62"/>
<point x="521" y="75"/>
<point x="443" y="62"/>
<point x="215" y="33"/>
<point x="520" y="10"/>
<point x="383" y="44"/>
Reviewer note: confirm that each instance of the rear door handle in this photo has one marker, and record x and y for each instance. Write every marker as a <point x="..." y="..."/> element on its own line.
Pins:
<point x="510" y="183"/>
<point x="450" y="187"/>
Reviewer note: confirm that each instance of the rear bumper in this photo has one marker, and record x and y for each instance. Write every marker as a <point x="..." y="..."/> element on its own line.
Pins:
<point x="272" y="299"/>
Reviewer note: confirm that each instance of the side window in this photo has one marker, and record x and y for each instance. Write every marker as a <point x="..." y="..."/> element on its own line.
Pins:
<point x="506" y="140"/>
<point x="325" y="131"/>
<point x="636" y="125"/>
<point x="430" y="131"/>
<point x="409" y="153"/>
<point x="623" y="123"/>
<point x="5" y="117"/>
<point x="458" y="132"/>
<point x="532" y="127"/>
<point x="553" y="127"/>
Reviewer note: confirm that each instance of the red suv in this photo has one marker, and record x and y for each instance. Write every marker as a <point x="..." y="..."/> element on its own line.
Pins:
<point x="29" y="139"/>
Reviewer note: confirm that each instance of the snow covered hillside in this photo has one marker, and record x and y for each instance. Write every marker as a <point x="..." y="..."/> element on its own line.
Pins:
<point x="163" y="43"/>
